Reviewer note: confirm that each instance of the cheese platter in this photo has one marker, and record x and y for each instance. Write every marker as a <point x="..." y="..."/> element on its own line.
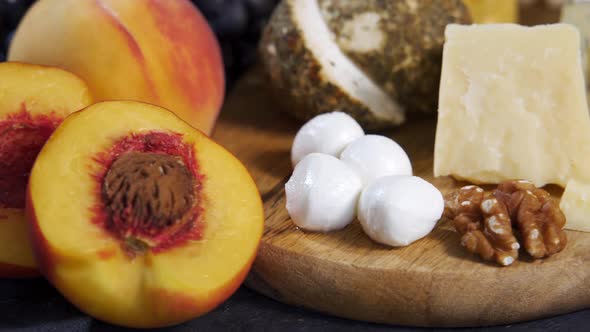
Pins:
<point x="433" y="282"/>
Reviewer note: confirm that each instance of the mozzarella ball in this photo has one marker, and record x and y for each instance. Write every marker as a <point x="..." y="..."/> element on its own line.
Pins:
<point x="327" y="133"/>
<point x="374" y="156"/>
<point x="322" y="194"/>
<point x="398" y="210"/>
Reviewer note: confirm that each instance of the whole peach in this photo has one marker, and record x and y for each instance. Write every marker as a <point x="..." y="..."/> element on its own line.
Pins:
<point x="157" y="51"/>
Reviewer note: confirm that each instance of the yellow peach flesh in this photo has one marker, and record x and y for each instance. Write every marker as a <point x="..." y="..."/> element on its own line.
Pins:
<point x="89" y="266"/>
<point x="37" y="91"/>
<point x="15" y="248"/>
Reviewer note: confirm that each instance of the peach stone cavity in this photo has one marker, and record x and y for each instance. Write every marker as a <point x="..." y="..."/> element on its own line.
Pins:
<point x="149" y="192"/>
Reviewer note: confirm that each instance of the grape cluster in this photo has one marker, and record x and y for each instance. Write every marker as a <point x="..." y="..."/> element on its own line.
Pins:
<point x="11" y="11"/>
<point x="237" y="25"/>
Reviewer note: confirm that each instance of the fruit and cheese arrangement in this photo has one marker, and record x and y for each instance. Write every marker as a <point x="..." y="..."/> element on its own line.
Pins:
<point x="115" y="187"/>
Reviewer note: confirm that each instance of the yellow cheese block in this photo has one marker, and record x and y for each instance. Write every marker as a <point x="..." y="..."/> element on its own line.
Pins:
<point x="493" y="11"/>
<point x="575" y="204"/>
<point x="512" y="104"/>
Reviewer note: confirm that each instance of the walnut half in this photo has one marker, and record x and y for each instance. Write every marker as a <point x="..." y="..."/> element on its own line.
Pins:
<point x="484" y="225"/>
<point x="536" y="215"/>
<point x="485" y="221"/>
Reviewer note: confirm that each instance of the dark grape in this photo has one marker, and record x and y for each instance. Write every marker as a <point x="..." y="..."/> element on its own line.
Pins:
<point x="255" y="29"/>
<point x="247" y="53"/>
<point x="238" y="25"/>
<point x="210" y="8"/>
<point x="228" y="54"/>
<point x="260" y="8"/>
<point x="232" y="22"/>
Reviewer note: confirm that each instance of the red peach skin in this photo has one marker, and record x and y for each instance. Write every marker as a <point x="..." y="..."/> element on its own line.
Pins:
<point x="156" y="51"/>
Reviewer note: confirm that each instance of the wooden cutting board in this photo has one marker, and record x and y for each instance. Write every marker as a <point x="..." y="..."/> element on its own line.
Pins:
<point x="433" y="282"/>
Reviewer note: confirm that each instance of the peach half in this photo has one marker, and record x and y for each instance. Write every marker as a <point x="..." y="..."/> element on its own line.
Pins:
<point x="151" y="224"/>
<point x="33" y="101"/>
<point x="157" y="51"/>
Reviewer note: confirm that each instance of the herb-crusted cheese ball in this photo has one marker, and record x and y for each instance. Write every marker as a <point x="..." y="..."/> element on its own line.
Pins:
<point x="312" y="75"/>
<point x="372" y="59"/>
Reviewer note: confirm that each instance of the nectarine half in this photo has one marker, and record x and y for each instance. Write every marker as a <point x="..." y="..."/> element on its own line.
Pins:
<point x="33" y="101"/>
<point x="157" y="51"/>
<point x="139" y="219"/>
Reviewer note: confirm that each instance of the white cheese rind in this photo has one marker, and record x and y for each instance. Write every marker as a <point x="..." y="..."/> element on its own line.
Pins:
<point x="338" y="68"/>
<point x="575" y="204"/>
<point x="512" y="104"/>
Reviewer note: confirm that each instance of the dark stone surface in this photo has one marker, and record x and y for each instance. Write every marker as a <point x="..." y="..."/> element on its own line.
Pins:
<point x="34" y="306"/>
